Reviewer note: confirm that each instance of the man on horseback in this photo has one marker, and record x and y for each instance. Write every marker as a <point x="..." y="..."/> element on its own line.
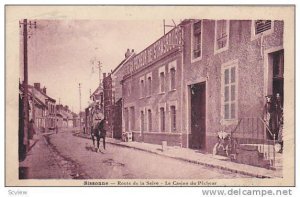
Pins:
<point x="97" y="117"/>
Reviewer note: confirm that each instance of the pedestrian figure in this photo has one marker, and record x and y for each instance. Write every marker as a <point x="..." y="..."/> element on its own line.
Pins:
<point x="56" y="127"/>
<point x="31" y="133"/>
<point x="31" y="129"/>
<point x="269" y="117"/>
<point x="279" y="120"/>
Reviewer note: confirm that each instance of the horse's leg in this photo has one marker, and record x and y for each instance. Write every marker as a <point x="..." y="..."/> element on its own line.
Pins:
<point x="98" y="142"/>
<point x="93" y="139"/>
<point x="103" y="142"/>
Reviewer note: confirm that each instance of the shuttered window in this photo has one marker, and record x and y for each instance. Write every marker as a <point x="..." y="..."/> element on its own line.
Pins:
<point x="173" y="118"/>
<point x="222" y="34"/>
<point x="149" y="120"/>
<point x="197" y="39"/>
<point x="262" y="25"/>
<point x="142" y="121"/>
<point x="173" y="78"/>
<point x="162" y="119"/>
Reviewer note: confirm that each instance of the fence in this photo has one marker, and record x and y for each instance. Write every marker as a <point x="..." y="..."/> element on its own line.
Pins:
<point x="253" y="131"/>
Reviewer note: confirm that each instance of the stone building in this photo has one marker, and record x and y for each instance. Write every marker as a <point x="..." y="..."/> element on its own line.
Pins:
<point x="202" y="77"/>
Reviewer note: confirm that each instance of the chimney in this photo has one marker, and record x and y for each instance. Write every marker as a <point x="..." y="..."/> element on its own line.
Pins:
<point x="37" y="86"/>
<point x="104" y="75"/>
<point x="45" y="90"/>
<point x="127" y="54"/>
<point x="132" y="51"/>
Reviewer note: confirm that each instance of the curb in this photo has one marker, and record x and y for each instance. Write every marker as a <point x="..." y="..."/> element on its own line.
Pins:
<point x="189" y="160"/>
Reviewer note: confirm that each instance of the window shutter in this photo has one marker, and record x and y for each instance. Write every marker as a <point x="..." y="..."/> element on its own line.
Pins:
<point x="262" y="25"/>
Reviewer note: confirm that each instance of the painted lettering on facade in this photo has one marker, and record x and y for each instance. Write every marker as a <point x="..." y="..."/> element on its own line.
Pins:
<point x="168" y="42"/>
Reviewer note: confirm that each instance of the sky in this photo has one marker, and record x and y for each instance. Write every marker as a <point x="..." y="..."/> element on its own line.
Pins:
<point x="61" y="53"/>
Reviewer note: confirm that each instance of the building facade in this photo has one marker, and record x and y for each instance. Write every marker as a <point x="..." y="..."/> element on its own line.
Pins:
<point x="41" y="107"/>
<point x="113" y="97"/>
<point x="202" y="77"/>
<point x="230" y="67"/>
<point x="152" y="91"/>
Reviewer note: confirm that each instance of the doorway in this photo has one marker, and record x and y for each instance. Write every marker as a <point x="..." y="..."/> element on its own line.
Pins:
<point x="275" y="88"/>
<point x="198" y="116"/>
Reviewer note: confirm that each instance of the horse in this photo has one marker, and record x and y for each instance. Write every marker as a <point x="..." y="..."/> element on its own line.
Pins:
<point x="98" y="133"/>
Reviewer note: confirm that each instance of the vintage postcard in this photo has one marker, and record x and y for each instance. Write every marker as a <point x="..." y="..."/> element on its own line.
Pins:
<point x="150" y="95"/>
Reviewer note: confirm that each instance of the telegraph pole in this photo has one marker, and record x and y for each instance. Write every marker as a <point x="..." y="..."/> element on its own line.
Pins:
<point x="80" y="106"/>
<point x="25" y="83"/>
<point x="100" y="69"/>
<point x="26" y="109"/>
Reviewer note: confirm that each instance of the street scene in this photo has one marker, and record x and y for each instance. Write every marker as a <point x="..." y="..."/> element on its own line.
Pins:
<point x="77" y="160"/>
<point x="174" y="99"/>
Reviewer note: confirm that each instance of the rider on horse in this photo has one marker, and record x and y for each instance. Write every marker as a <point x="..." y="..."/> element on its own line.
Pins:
<point x="97" y="117"/>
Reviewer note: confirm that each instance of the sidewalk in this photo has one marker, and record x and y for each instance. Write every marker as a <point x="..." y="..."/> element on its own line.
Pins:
<point x="42" y="163"/>
<point x="196" y="157"/>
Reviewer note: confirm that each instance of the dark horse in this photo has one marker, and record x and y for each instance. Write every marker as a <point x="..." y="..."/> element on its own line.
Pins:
<point x="99" y="133"/>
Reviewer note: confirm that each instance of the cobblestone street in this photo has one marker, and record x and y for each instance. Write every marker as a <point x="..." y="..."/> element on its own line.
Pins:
<point x="64" y="156"/>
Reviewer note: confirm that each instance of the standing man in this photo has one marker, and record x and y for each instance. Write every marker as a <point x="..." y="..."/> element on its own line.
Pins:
<point x="56" y="126"/>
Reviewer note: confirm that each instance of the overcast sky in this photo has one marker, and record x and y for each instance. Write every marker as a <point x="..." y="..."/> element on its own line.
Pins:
<point x="61" y="53"/>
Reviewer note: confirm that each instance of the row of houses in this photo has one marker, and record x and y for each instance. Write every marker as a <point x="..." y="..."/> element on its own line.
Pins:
<point x="201" y="77"/>
<point x="43" y="110"/>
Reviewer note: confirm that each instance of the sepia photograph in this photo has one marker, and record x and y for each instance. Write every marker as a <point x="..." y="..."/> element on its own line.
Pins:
<point x="114" y="96"/>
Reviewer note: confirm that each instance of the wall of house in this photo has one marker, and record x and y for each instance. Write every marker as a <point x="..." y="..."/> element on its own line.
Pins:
<point x="132" y="98"/>
<point x="249" y="55"/>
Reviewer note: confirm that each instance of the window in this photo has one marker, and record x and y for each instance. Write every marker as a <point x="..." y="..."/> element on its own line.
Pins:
<point x="173" y="118"/>
<point x="197" y="30"/>
<point x="221" y="35"/>
<point x="262" y="25"/>
<point x="162" y="119"/>
<point x="142" y="87"/>
<point x="149" y="120"/>
<point x="229" y="98"/>
<point x="132" y="122"/>
<point x="173" y="78"/>
<point x="142" y="121"/>
<point x="149" y="84"/>
<point x="162" y="81"/>
<point x="126" y="120"/>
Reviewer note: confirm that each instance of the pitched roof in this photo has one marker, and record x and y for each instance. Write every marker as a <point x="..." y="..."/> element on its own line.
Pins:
<point x="21" y="88"/>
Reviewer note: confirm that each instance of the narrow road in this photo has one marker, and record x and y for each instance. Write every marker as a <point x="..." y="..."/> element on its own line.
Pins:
<point x="124" y="163"/>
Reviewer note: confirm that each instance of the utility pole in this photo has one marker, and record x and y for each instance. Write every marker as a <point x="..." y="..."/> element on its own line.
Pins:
<point x="25" y="84"/>
<point x="26" y="109"/>
<point x="100" y="69"/>
<point x="33" y="105"/>
<point x="80" y="106"/>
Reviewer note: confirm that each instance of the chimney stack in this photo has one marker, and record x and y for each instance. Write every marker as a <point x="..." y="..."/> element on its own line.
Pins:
<point x="127" y="54"/>
<point x="37" y="86"/>
<point x="45" y="90"/>
<point x="104" y="75"/>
